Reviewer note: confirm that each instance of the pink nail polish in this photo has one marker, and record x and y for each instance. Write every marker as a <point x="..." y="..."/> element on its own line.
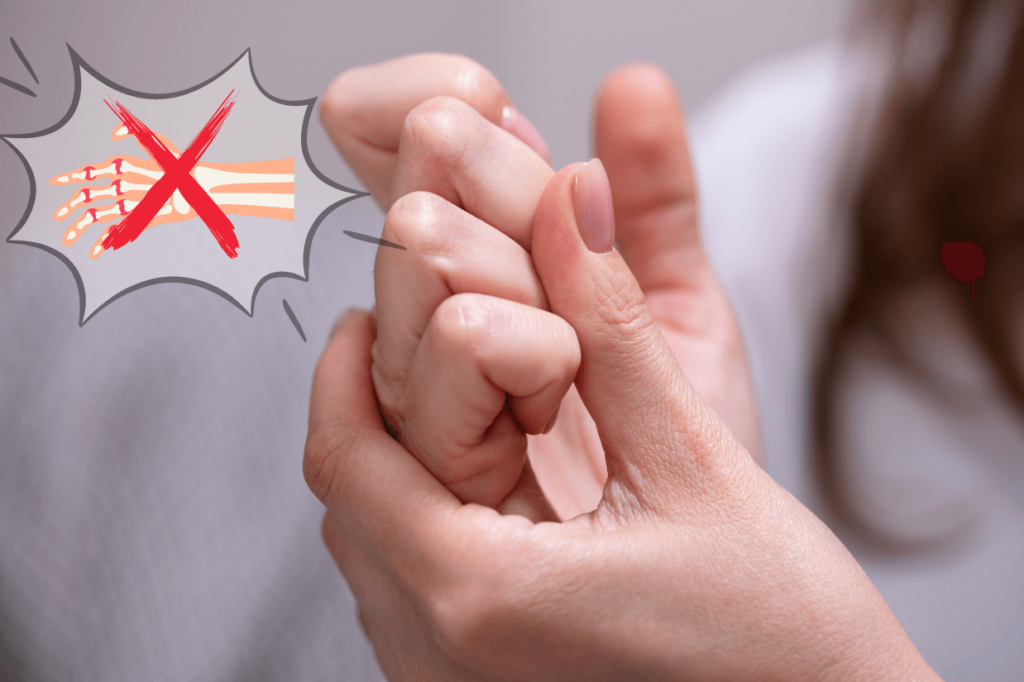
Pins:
<point x="515" y="123"/>
<point x="592" y="203"/>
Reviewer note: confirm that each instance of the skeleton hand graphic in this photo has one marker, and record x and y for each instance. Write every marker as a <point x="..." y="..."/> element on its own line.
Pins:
<point x="261" y="188"/>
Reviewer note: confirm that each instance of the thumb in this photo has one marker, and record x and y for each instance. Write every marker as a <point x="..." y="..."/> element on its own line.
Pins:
<point x="640" y="136"/>
<point x="653" y="426"/>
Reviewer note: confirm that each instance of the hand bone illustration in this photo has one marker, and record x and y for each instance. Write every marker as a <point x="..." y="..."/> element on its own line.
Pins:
<point x="260" y="188"/>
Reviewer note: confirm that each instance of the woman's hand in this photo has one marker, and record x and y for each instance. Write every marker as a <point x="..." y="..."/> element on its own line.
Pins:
<point x="641" y="137"/>
<point x="695" y="565"/>
<point x="466" y="358"/>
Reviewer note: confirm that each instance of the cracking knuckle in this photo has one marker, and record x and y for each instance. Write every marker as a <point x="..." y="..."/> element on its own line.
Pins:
<point x="463" y="617"/>
<point x="419" y="221"/>
<point x="480" y="89"/>
<point x="436" y="132"/>
<point x="463" y="323"/>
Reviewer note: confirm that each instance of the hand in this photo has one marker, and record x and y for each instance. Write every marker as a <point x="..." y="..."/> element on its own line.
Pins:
<point x="695" y="564"/>
<point x="260" y="188"/>
<point x="467" y="357"/>
<point x="640" y="135"/>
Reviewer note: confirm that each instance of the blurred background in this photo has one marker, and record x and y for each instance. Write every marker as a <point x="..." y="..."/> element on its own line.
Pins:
<point x="550" y="55"/>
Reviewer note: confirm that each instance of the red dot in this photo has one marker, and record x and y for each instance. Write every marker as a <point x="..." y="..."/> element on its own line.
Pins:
<point x="964" y="261"/>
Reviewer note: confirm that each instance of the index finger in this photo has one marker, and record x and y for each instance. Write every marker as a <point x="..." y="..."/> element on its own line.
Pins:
<point x="364" y="108"/>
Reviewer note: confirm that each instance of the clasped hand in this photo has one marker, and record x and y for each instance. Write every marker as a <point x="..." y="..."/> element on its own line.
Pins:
<point x="572" y="494"/>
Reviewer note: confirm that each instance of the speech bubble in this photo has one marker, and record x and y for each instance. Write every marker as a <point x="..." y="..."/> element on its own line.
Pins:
<point x="253" y="183"/>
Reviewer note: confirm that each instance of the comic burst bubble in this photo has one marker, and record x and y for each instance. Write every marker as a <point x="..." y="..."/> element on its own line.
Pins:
<point x="211" y="186"/>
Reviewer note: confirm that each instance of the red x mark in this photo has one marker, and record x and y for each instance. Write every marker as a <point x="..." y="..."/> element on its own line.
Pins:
<point x="176" y="177"/>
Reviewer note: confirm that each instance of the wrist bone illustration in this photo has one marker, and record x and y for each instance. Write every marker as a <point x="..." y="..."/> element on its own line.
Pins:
<point x="258" y="188"/>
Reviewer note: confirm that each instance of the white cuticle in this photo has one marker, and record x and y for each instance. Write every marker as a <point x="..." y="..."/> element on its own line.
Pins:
<point x="62" y="212"/>
<point x="122" y="131"/>
<point x="71" y="235"/>
<point x="62" y="178"/>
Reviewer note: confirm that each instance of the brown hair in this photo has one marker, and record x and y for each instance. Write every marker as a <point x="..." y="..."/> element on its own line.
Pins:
<point x="945" y="164"/>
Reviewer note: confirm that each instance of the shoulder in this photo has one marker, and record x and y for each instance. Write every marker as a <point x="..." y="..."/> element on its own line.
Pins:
<point x="766" y="150"/>
<point x="776" y="97"/>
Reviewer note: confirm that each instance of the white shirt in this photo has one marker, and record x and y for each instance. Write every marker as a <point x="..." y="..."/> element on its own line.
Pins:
<point x="769" y="153"/>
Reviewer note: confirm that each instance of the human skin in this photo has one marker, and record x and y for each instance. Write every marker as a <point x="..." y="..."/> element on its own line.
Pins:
<point x="695" y="564"/>
<point x="369" y="111"/>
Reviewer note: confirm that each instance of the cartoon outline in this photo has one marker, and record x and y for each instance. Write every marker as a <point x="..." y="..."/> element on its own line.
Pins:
<point x="78" y="64"/>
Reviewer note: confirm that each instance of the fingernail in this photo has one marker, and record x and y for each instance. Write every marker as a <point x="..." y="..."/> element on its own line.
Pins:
<point x="592" y="203"/>
<point x="551" y="422"/>
<point x="515" y="123"/>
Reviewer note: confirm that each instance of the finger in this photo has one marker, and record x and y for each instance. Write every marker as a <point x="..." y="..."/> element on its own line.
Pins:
<point x="640" y="136"/>
<point x="652" y="424"/>
<point x="449" y="149"/>
<point x="112" y="167"/>
<point x="386" y="500"/>
<point x="569" y="461"/>
<point x="477" y="352"/>
<point x="97" y="214"/>
<point x="373" y="591"/>
<point x="121" y="131"/>
<point x="364" y="108"/>
<point x="87" y="195"/>
<point x="114" y="213"/>
<point x="528" y="499"/>
<point x="448" y="252"/>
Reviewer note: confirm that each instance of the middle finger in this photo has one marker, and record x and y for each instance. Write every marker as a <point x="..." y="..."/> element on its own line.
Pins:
<point x="449" y="149"/>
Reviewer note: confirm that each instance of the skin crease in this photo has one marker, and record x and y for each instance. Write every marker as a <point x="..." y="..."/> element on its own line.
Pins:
<point x="695" y="564"/>
<point x="366" y="112"/>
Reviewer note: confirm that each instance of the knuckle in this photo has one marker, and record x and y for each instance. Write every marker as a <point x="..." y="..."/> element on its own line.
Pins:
<point x="315" y="461"/>
<point x="463" y="323"/>
<point x="336" y="106"/>
<point x="437" y="130"/>
<point x="480" y="89"/>
<point x="463" y="616"/>
<point x="418" y="221"/>
<point x="622" y="310"/>
<point x="328" y="448"/>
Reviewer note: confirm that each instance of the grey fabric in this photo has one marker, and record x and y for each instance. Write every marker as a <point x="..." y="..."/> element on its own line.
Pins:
<point x="153" y="518"/>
